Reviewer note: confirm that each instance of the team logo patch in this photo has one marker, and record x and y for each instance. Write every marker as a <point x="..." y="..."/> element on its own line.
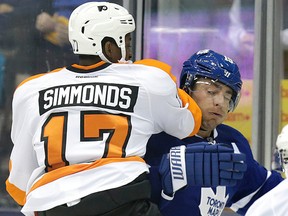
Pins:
<point x="213" y="204"/>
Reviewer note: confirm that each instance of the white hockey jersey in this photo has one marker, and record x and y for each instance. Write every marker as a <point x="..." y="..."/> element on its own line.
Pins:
<point x="84" y="129"/>
<point x="273" y="203"/>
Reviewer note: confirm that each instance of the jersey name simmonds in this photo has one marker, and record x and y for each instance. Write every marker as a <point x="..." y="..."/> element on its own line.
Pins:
<point x="105" y="95"/>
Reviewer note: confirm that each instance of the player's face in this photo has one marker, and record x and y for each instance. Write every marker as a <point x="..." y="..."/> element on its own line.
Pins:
<point x="115" y="52"/>
<point x="213" y="98"/>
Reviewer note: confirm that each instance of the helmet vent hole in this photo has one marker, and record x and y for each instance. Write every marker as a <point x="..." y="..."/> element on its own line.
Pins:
<point x="83" y="29"/>
<point x="124" y="22"/>
<point x="94" y="44"/>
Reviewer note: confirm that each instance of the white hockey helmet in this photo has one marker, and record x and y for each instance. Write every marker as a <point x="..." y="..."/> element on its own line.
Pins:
<point x="91" y="22"/>
<point x="282" y="146"/>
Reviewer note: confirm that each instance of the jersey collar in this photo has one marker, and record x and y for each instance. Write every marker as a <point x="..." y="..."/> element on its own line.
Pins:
<point x="86" y="69"/>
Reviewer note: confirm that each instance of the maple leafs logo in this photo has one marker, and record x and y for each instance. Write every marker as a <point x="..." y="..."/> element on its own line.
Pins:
<point x="212" y="204"/>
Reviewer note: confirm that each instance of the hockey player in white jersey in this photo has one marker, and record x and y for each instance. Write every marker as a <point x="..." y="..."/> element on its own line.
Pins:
<point x="274" y="203"/>
<point x="80" y="132"/>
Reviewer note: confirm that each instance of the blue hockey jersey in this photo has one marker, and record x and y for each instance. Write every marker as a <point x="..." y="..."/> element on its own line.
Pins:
<point x="195" y="201"/>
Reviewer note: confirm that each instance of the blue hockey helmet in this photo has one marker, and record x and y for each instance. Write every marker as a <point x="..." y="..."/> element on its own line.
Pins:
<point x="210" y="64"/>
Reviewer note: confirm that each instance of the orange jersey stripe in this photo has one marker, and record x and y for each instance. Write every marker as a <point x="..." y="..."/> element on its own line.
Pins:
<point x="75" y="168"/>
<point x="58" y="69"/>
<point x="17" y="194"/>
<point x="90" y="66"/>
<point x="37" y="75"/>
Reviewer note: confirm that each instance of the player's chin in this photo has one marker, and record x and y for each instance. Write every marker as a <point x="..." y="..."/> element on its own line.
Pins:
<point x="210" y="124"/>
<point x="216" y="120"/>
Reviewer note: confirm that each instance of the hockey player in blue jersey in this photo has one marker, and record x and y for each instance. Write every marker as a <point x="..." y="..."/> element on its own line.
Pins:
<point x="214" y="82"/>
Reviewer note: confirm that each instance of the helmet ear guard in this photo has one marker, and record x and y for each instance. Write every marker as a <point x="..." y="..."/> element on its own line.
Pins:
<point x="91" y="22"/>
<point x="209" y="64"/>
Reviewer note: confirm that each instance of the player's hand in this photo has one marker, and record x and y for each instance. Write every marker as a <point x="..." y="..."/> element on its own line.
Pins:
<point x="201" y="164"/>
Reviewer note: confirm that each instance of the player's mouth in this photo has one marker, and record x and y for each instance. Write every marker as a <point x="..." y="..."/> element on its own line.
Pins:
<point x="218" y="114"/>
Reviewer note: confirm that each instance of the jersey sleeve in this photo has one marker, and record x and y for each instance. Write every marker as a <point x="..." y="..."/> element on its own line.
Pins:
<point x="170" y="116"/>
<point x="177" y="115"/>
<point x="22" y="159"/>
<point x="272" y="203"/>
<point x="256" y="182"/>
<point x="161" y="65"/>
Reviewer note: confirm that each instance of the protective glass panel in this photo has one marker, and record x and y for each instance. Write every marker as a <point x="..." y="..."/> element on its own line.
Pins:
<point x="174" y="30"/>
<point x="284" y="81"/>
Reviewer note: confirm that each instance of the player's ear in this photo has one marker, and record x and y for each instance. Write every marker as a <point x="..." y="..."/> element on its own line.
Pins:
<point x="111" y="51"/>
<point x="108" y="49"/>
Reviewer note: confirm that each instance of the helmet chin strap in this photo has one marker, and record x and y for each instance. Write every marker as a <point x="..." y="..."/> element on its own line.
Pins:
<point x="102" y="56"/>
<point x="123" y="53"/>
<point x="122" y="60"/>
